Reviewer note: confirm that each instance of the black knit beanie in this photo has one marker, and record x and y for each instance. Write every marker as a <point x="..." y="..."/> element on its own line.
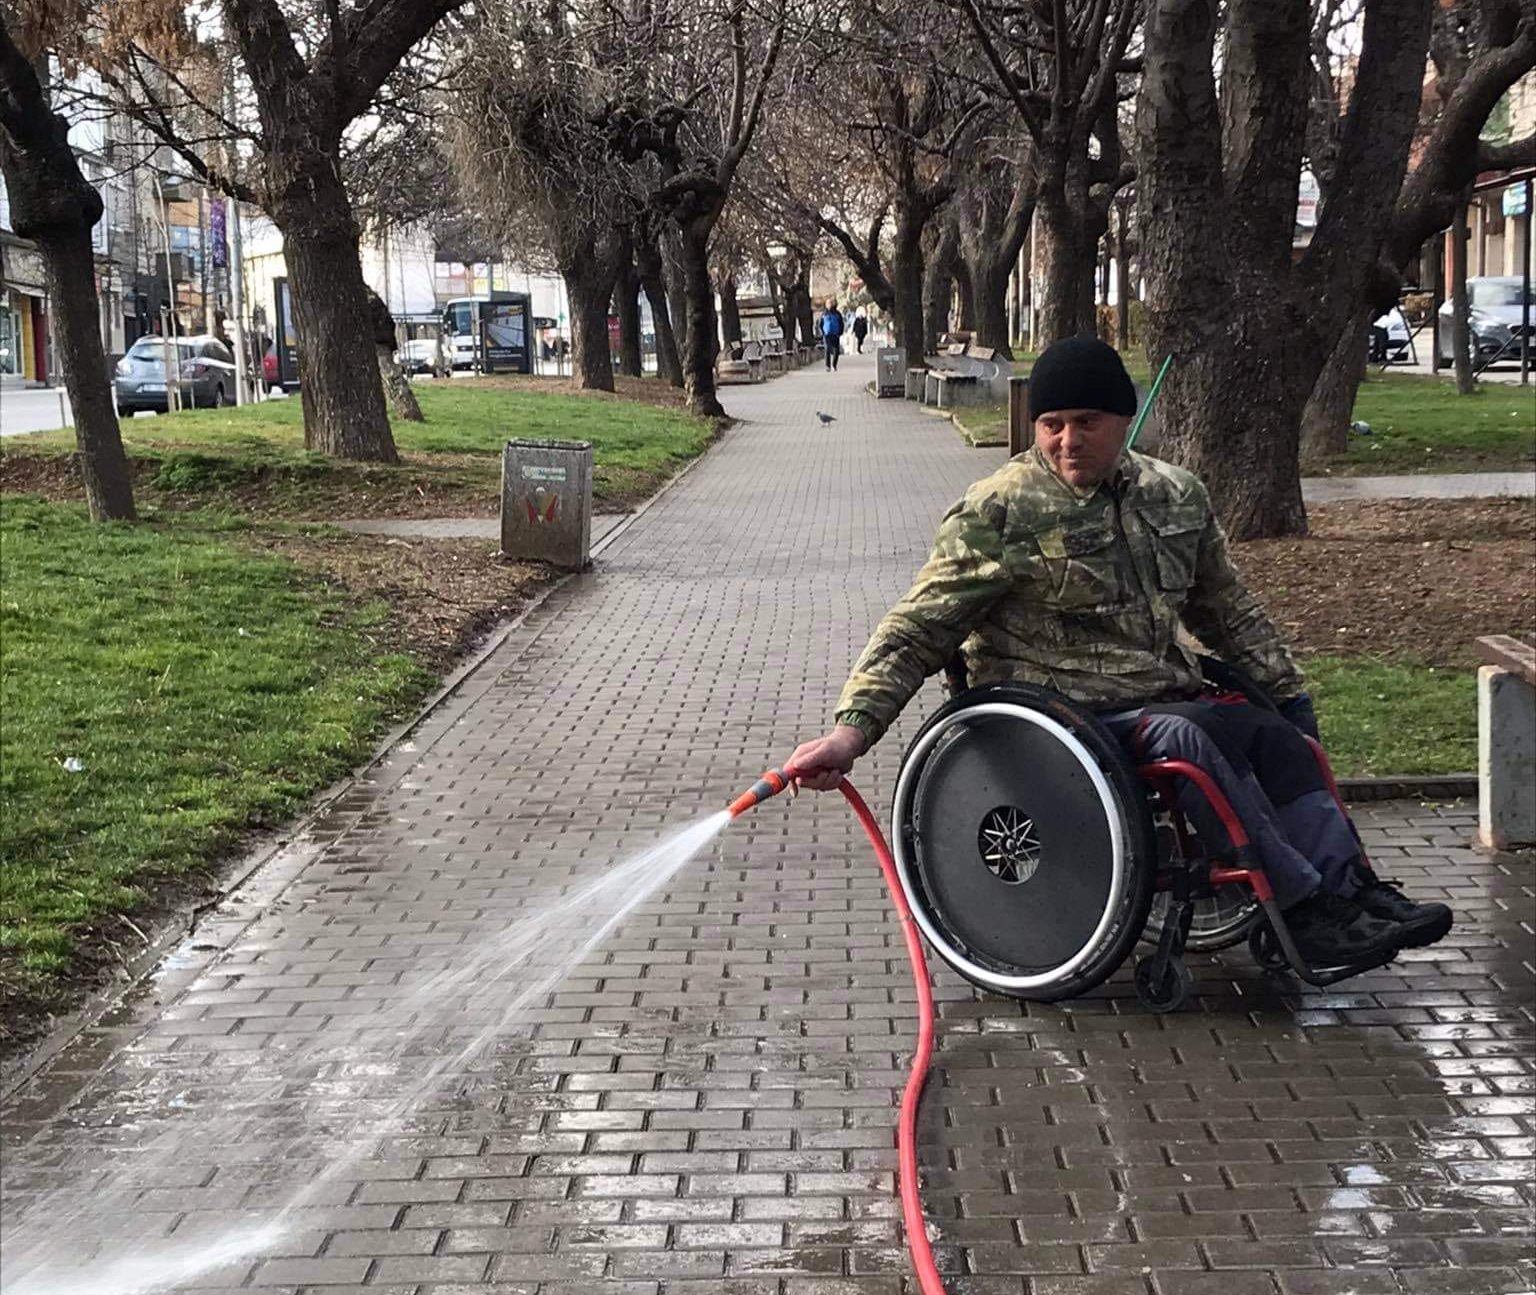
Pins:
<point x="1080" y="373"/>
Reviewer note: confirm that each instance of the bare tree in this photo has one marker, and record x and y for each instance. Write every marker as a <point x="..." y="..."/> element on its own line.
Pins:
<point x="538" y="140"/>
<point x="1479" y="49"/>
<point x="53" y="204"/>
<point x="1217" y="177"/>
<point x="1062" y="64"/>
<point x="914" y="121"/>
<point x="304" y="76"/>
<point x="699" y="133"/>
<point x="997" y="204"/>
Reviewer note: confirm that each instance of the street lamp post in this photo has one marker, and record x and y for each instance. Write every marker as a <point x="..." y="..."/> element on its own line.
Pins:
<point x="1526" y="340"/>
<point x="172" y="375"/>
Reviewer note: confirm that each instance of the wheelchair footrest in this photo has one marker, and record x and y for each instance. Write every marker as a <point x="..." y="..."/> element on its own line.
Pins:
<point x="1274" y="949"/>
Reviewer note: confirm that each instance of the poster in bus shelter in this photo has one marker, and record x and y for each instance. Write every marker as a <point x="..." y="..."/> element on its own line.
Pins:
<point x="504" y="336"/>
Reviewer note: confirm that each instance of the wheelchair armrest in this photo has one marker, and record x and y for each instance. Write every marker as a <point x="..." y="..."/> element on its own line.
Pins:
<point x="1229" y="677"/>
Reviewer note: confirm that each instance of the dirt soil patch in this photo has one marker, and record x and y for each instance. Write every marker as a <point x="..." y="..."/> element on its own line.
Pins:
<point x="443" y="595"/>
<point x="1407" y="579"/>
<point x="1402" y="579"/>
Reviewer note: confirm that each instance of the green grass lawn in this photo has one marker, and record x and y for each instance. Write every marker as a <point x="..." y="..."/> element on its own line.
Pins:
<point x="1394" y="717"/>
<point x="163" y="690"/>
<point x="255" y="455"/>
<point x="1418" y="424"/>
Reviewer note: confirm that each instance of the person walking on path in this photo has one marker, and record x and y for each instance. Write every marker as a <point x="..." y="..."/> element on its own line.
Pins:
<point x="832" y="334"/>
<point x="860" y="331"/>
<point x="1074" y="567"/>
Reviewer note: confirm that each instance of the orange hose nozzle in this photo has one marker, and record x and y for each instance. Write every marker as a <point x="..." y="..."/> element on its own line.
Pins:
<point x="770" y="784"/>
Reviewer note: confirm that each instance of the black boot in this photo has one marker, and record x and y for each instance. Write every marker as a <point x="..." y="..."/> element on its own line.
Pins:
<point x="1331" y="931"/>
<point x="1422" y="924"/>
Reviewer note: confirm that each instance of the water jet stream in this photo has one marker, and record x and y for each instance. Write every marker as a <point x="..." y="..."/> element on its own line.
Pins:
<point x="50" y="1256"/>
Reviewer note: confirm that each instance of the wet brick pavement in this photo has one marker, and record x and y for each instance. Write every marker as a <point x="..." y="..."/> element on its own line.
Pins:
<point x="707" y="1105"/>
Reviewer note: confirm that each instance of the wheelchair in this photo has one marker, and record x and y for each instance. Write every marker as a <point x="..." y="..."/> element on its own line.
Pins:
<point x="1034" y="852"/>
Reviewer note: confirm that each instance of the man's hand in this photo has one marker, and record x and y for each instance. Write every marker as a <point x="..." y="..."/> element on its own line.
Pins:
<point x="820" y="764"/>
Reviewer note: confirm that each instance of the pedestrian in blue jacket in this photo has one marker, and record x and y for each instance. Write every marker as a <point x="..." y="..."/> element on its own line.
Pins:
<point x="832" y="333"/>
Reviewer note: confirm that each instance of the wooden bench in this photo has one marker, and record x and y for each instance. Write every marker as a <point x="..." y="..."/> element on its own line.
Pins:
<point x="1506" y="742"/>
<point x="749" y="364"/>
<point x="961" y="375"/>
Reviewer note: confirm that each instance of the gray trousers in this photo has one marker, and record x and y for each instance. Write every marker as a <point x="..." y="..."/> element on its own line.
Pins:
<point x="1264" y="767"/>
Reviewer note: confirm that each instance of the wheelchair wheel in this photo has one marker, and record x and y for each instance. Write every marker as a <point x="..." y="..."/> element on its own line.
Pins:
<point x="1221" y="920"/>
<point x="1266" y="950"/>
<point x="1023" y="842"/>
<point x="1165" y="994"/>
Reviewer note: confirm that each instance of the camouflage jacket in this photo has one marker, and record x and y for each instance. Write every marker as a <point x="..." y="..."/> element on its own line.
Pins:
<point x="1035" y="581"/>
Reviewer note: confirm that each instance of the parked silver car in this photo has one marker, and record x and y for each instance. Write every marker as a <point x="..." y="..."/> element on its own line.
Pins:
<point x="205" y="372"/>
<point x="1495" y="318"/>
<point x="420" y="355"/>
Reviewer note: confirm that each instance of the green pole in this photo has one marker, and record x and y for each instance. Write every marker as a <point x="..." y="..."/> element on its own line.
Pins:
<point x="1146" y="405"/>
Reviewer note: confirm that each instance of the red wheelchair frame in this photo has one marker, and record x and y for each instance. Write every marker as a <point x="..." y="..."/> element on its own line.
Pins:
<point x="1162" y="979"/>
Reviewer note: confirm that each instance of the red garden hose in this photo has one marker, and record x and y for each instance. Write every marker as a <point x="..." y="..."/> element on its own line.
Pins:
<point x="928" y="1279"/>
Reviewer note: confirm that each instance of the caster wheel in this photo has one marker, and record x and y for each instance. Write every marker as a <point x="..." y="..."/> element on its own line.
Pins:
<point x="1167" y="994"/>
<point x="1266" y="949"/>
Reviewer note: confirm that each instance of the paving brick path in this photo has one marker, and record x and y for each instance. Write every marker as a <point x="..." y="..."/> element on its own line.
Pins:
<point x="708" y="1105"/>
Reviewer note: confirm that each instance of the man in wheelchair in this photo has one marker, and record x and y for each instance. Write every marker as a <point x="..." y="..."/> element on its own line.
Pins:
<point x="1075" y="567"/>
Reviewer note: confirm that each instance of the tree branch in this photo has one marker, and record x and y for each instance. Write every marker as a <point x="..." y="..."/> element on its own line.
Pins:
<point x="380" y="34"/>
<point x="1507" y="157"/>
<point x="1005" y="77"/>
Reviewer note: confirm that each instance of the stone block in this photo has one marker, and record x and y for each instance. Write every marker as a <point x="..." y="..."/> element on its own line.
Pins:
<point x="1506" y="758"/>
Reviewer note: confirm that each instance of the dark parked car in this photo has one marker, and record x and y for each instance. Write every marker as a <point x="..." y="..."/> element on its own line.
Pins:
<point x="1495" y="315"/>
<point x="205" y="373"/>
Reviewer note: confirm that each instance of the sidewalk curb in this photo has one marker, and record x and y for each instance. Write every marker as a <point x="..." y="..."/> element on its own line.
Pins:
<point x="1444" y="786"/>
<point x="182" y="922"/>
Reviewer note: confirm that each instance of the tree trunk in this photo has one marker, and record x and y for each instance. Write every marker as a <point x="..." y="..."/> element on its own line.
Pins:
<point x="1216" y="184"/>
<point x="339" y="382"/>
<point x="648" y="266"/>
<point x="675" y="278"/>
<point x="70" y="268"/>
<point x="965" y="296"/>
<point x="730" y="315"/>
<point x="939" y="285"/>
<point x="1068" y="262"/>
<point x="626" y="304"/>
<point x="589" y="286"/>
<point x="1329" y="410"/>
<point x="907" y="285"/>
<point x="1123" y="282"/>
<point x="702" y="344"/>
<point x="990" y="279"/>
<point x="51" y="201"/>
<point x="805" y="310"/>
<point x="1461" y="327"/>
<point x="397" y="387"/>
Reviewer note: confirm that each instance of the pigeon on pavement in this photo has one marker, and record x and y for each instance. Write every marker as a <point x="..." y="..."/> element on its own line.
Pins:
<point x="825" y="418"/>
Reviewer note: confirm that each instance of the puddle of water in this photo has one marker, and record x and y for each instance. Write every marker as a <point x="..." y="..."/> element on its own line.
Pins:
<point x="498" y="980"/>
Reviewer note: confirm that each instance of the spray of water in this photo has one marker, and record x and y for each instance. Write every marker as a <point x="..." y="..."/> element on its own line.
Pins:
<point x="501" y="978"/>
